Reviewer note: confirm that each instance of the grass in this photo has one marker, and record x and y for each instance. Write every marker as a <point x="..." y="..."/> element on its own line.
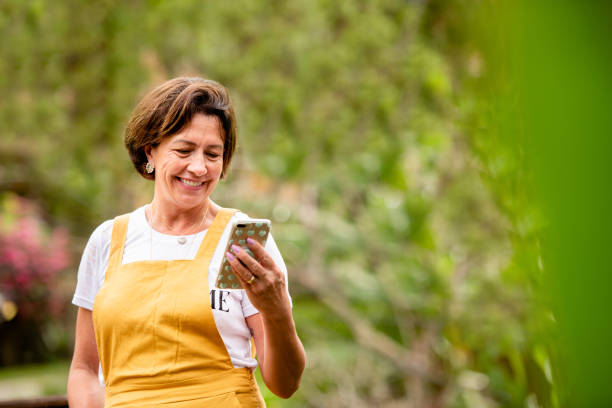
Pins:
<point x="33" y="380"/>
<point x="50" y="379"/>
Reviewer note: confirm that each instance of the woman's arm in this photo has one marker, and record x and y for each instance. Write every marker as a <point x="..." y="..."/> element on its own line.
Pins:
<point x="84" y="389"/>
<point x="280" y="352"/>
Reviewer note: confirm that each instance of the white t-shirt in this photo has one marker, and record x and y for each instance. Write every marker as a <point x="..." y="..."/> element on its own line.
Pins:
<point x="230" y="307"/>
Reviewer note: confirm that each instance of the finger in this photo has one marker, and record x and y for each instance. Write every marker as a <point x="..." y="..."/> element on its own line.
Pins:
<point x="241" y="272"/>
<point x="260" y="253"/>
<point x="249" y="262"/>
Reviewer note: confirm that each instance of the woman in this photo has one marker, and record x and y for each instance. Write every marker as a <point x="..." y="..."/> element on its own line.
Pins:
<point x="149" y="315"/>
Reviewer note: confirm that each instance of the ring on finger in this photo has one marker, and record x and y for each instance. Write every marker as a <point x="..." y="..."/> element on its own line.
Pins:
<point x="250" y="281"/>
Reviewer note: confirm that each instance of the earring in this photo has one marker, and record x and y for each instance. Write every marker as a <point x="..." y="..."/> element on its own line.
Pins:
<point x="149" y="167"/>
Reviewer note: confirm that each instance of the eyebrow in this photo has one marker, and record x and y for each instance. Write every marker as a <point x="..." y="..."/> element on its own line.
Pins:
<point x="190" y="143"/>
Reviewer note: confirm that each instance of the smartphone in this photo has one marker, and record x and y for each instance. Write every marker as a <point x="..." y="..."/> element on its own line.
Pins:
<point x="257" y="229"/>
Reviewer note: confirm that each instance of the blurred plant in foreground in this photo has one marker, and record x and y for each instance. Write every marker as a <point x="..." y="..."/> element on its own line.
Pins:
<point x="32" y="258"/>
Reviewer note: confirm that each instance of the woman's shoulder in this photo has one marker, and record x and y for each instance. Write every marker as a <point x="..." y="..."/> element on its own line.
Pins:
<point x="103" y="232"/>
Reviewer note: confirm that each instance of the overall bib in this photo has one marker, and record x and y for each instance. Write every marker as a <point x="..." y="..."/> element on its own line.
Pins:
<point x="156" y="336"/>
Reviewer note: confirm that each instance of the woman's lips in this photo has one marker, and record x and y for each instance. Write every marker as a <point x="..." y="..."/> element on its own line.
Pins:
<point x="190" y="183"/>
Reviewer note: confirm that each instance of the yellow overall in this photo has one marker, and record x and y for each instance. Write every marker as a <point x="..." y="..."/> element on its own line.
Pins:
<point x="156" y="335"/>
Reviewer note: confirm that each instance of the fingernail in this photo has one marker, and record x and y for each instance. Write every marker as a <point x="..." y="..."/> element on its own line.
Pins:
<point x="230" y="256"/>
<point x="251" y="241"/>
<point x="236" y="249"/>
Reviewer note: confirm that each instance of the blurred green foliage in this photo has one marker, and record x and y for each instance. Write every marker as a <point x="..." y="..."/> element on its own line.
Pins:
<point x="566" y="86"/>
<point x="367" y="135"/>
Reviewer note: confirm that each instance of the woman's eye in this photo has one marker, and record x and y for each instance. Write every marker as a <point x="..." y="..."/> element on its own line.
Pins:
<point x="183" y="151"/>
<point x="213" y="155"/>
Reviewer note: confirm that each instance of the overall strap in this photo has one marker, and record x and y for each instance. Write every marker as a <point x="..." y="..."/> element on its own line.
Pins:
<point x="117" y="242"/>
<point x="213" y="235"/>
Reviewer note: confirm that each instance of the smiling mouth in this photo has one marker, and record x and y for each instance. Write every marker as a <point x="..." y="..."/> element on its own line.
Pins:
<point x="190" y="183"/>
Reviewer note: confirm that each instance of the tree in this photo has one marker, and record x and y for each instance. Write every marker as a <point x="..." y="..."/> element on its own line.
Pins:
<point x="358" y="124"/>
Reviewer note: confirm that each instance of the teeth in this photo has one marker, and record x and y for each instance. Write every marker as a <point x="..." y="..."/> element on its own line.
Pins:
<point x="191" y="183"/>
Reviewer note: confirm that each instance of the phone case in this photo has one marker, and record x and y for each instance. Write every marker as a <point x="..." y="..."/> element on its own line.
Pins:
<point x="257" y="229"/>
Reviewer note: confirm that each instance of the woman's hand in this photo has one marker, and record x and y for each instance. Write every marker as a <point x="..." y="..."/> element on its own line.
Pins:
<point x="279" y="350"/>
<point x="261" y="278"/>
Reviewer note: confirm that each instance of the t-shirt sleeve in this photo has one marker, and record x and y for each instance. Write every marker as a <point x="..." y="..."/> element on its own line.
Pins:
<point x="247" y="307"/>
<point x="93" y="266"/>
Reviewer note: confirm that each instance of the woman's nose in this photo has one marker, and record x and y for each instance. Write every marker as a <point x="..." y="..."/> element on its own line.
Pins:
<point x="198" y="165"/>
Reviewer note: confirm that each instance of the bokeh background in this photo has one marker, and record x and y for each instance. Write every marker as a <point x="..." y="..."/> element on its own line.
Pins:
<point x="436" y="173"/>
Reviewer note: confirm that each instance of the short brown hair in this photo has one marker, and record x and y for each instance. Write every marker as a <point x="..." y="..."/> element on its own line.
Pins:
<point x="167" y="109"/>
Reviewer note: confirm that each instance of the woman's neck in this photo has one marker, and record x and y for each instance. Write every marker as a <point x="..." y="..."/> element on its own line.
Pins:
<point x="176" y="221"/>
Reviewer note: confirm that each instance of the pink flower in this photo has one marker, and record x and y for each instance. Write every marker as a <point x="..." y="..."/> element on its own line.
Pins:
<point x="32" y="258"/>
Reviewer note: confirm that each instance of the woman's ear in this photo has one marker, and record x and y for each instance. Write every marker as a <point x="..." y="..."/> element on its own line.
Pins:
<point x="147" y="151"/>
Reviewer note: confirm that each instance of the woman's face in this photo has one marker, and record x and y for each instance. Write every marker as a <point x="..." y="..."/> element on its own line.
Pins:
<point x="188" y="164"/>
